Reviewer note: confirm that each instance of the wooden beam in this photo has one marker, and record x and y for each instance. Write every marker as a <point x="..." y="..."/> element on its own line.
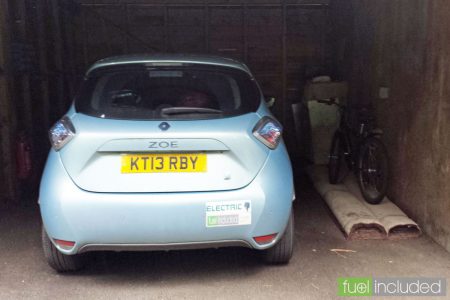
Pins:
<point x="67" y="40"/>
<point x="127" y="28"/>
<point x="85" y="36"/>
<point x="43" y="63"/>
<point x="25" y="112"/>
<point x="7" y="126"/>
<point x="59" y="56"/>
<point x="286" y="106"/>
<point x="245" y="35"/>
<point x="69" y="30"/>
<point x="166" y="28"/>
<point x="206" y="20"/>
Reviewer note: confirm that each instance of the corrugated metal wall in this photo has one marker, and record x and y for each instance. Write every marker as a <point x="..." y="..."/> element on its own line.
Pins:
<point x="51" y="43"/>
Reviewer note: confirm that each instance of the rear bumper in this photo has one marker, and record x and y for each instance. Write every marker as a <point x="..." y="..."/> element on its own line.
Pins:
<point x="162" y="247"/>
<point x="162" y="221"/>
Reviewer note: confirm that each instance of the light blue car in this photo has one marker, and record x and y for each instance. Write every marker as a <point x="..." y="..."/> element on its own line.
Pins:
<point x="166" y="152"/>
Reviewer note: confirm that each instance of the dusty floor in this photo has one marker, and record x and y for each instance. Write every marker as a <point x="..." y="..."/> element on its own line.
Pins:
<point x="214" y="274"/>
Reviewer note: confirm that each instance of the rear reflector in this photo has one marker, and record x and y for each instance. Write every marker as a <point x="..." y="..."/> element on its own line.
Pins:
<point x="66" y="245"/>
<point x="265" y="239"/>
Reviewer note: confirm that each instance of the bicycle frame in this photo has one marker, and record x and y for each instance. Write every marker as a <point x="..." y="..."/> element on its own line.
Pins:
<point x="363" y="152"/>
<point x="353" y="139"/>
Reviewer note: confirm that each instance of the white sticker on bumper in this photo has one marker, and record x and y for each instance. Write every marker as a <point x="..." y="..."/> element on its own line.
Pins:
<point x="228" y="213"/>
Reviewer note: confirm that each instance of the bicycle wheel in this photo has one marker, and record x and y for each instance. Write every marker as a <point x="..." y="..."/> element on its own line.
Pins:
<point x="373" y="170"/>
<point x="335" y="159"/>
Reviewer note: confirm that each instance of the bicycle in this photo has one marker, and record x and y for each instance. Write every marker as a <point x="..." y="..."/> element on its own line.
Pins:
<point x="363" y="153"/>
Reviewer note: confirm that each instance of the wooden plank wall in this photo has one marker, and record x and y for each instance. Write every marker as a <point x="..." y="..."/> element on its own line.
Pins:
<point x="7" y="189"/>
<point x="37" y="81"/>
<point x="52" y="42"/>
<point x="282" y="41"/>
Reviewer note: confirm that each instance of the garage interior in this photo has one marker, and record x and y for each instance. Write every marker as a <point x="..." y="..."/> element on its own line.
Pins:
<point x="394" y="56"/>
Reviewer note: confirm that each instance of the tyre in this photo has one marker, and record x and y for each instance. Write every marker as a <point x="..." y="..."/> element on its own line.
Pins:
<point x="282" y="251"/>
<point x="373" y="170"/>
<point x="336" y="158"/>
<point x="58" y="261"/>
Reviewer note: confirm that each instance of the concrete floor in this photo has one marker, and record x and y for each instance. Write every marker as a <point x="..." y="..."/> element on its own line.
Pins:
<point x="214" y="274"/>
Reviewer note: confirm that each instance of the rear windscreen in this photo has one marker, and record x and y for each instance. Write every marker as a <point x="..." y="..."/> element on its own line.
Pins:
<point x="167" y="93"/>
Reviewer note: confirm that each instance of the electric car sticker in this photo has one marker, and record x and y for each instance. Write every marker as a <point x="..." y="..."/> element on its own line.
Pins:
<point x="228" y="213"/>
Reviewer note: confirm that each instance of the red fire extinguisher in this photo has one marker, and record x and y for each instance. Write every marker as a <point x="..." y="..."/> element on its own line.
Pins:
<point x="23" y="157"/>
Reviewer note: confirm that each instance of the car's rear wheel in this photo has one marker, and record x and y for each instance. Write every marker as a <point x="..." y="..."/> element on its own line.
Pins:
<point x="58" y="261"/>
<point x="282" y="251"/>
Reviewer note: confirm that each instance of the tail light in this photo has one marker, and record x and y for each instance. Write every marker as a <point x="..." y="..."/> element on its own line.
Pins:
<point x="268" y="131"/>
<point x="61" y="133"/>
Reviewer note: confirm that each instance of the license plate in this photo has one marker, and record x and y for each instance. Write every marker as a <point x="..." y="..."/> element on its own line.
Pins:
<point x="163" y="163"/>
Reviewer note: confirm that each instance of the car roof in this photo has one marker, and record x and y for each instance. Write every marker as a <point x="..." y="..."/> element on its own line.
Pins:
<point x="169" y="58"/>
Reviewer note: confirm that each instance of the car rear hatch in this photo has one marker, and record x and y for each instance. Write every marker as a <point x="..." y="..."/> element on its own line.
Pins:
<point x="126" y="156"/>
<point x="166" y="127"/>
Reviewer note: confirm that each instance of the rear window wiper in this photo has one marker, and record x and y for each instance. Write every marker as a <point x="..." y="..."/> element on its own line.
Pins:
<point x="189" y="110"/>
